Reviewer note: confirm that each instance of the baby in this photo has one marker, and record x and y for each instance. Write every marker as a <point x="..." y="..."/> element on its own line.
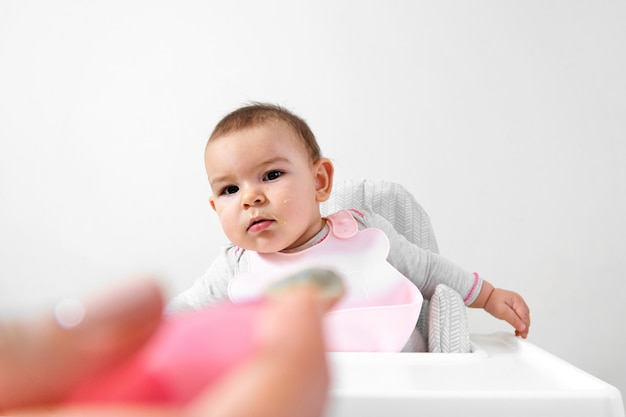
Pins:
<point x="268" y="178"/>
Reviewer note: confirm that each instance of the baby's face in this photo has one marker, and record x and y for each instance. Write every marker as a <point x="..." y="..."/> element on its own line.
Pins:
<point x="264" y="188"/>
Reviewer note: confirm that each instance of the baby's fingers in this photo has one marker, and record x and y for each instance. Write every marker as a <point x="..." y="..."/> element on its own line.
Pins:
<point x="510" y="307"/>
<point x="518" y="316"/>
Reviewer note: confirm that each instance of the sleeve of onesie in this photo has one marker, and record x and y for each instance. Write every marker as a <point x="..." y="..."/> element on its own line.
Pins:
<point x="211" y="287"/>
<point x="423" y="267"/>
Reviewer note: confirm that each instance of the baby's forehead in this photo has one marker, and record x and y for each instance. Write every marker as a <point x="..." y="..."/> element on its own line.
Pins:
<point x="279" y="126"/>
<point x="270" y="124"/>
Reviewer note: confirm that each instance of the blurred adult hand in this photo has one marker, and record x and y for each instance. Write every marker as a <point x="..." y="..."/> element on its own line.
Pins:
<point x="42" y="360"/>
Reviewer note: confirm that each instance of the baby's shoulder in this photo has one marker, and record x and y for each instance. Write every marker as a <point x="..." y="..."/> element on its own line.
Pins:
<point x="367" y="218"/>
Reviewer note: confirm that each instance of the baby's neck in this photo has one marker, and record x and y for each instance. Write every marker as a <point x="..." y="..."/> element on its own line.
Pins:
<point x="317" y="238"/>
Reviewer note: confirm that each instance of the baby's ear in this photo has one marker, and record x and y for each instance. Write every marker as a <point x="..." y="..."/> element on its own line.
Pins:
<point x="212" y="202"/>
<point x="324" y="171"/>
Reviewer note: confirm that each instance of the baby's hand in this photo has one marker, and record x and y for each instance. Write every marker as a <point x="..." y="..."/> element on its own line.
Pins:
<point x="510" y="307"/>
<point x="505" y="305"/>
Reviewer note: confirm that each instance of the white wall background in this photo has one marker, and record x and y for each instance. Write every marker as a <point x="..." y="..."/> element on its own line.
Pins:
<point x="515" y="114"/>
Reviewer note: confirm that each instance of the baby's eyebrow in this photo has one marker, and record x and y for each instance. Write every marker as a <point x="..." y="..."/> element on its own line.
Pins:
<point x="219" y="179"/>
<point x="226" y="178"/>
<point x="273" y="160"/>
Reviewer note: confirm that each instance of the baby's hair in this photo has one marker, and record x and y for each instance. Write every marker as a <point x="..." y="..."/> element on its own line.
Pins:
<point x="257" y="114"/>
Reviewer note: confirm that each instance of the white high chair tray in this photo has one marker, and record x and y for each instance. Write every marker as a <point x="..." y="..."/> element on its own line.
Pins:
<point x="503" y="376"/>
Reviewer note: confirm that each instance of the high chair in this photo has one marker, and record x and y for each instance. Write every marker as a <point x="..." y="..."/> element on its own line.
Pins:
<point x="442" y="324"/>
<point x="489" y="375"/>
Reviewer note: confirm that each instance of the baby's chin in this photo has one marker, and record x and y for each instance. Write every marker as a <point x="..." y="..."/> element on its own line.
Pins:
<point x="262" y="248"/>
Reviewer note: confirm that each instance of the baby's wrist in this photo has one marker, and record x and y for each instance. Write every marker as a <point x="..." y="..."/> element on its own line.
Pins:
<point x="483" y="297"/>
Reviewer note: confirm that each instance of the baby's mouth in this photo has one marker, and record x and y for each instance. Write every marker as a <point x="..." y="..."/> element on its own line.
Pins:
<point x="258" y="224"/>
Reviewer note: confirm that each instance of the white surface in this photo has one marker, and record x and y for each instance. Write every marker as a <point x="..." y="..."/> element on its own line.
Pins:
<point x="515" y="110"/>
<point x="504" y="376"/>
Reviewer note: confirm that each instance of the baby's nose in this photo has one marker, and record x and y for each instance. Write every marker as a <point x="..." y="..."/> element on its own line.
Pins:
<point x="253" y="197"/>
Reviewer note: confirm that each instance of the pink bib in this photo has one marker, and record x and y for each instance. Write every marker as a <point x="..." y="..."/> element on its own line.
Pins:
<point x="381" y="306"/>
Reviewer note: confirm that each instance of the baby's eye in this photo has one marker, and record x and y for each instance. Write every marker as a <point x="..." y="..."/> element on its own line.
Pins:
<point x="231" y="189"/>
<point x="272" y="175"/>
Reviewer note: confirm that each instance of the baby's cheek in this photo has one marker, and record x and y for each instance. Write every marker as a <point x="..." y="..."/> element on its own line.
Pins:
<point x="229" y="226"/>
<point x="233" y="234"/>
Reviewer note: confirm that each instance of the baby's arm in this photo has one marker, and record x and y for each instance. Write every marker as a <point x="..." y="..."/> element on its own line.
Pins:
<point x="505" y="305"/>
<point x="210" y="288"/>
<point x="427" y="270"/>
